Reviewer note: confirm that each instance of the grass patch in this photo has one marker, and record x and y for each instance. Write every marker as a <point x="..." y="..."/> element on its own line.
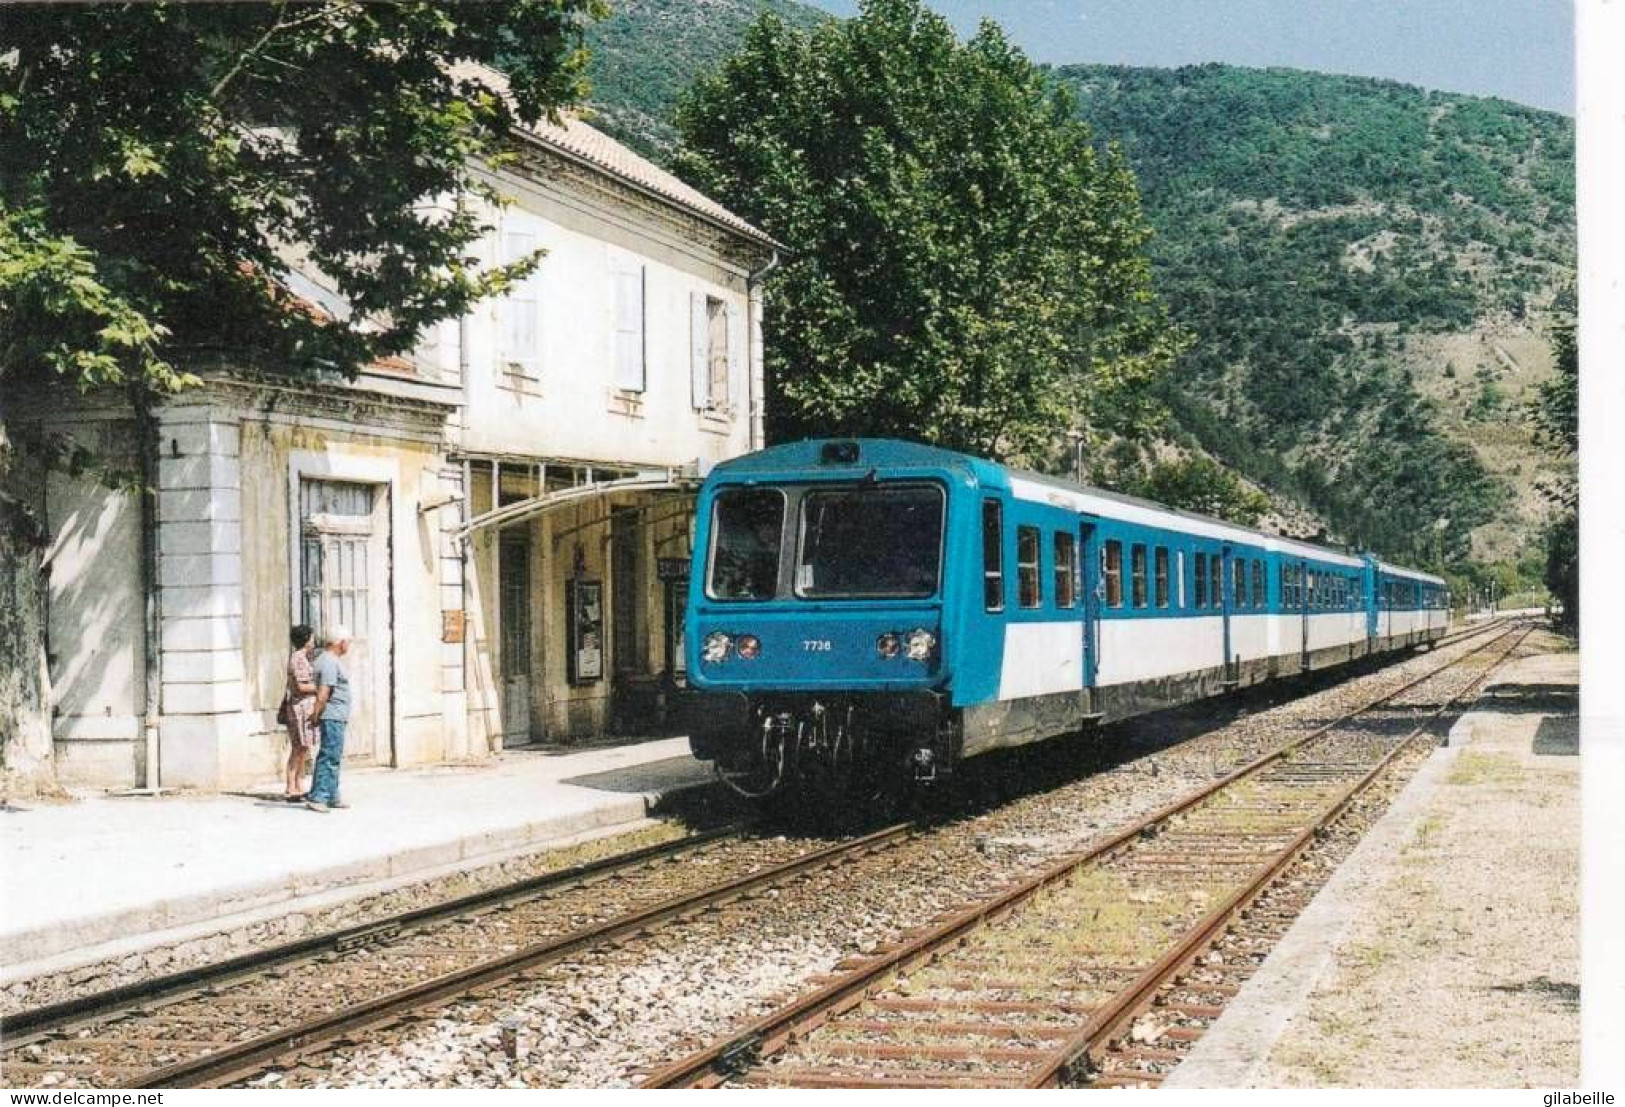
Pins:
<point x="1427" y="832"/>
<point x="1473" y="767"/>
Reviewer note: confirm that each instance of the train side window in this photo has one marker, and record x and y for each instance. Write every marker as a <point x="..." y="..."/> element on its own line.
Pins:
<point x="1111" y="572"/>
<point x="1260" y="591"/>
<point x="1238" y="581"/>
<point x="993" y="555"/>
<point x="1201" y="580"/>
<point x="1029" y="586"/>
<point x="1066" y="570"/>
<point x="1137" y="567"/>
<point x="1179" y="575"/>
<point x="1215" y="580"/>
<point x="1162" y="576"/>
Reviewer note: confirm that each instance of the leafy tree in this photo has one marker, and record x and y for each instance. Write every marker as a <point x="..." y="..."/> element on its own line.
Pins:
<point x="158" y="161"/>
<point x="1198" y="483"/>
<point x="964" y="266"/>
<point x="1555" y="410"/>
<point x="1555" y="413"/>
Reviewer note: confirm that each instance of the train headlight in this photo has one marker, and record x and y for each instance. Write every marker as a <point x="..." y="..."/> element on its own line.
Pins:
<point x="749" y="646"/>
<point x="888" y="646"/>
<point x="920" y="643"/>
<point x="715" y="647"/>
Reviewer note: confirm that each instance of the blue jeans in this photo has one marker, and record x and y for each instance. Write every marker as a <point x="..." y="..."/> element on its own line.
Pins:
<point x="324" y="784"/>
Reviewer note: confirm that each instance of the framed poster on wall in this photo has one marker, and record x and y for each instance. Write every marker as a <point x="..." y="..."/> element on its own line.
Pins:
<point x="584" y="602"/>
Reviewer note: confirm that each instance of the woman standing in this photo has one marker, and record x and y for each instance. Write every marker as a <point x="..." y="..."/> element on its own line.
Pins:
<point x="303" y="732"/>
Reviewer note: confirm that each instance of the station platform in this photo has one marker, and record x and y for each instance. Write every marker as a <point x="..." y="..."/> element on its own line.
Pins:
<point x="111" y="887"/>
<point x="1445" y="950"/>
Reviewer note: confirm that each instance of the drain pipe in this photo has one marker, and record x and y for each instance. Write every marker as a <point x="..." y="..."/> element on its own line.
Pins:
<point x="754" y="297"/>
<point x="147" y="436"/>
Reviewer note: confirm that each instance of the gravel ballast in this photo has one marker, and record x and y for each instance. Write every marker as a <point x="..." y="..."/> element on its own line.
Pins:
<point x="604" y="1018"/>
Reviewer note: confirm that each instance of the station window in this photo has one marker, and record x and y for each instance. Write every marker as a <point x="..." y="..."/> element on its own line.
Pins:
<point x="1162" y="576"/>
<point x="1215" y="580"/>
<point x="1260" y="592"/>
<point x="1111" y="572"/>
<point x="1238" y="582"/>
<point x="1201" y="580"/>
<point x="1029" y="586"/>
<point x="1066" y="570"/>
<point x="993" y="555"/>
<point x="1137" y="567"/>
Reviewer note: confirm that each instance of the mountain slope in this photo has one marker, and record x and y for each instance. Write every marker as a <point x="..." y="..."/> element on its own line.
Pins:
<point x="1368" y="269"/>
<point x="648" y="51"/>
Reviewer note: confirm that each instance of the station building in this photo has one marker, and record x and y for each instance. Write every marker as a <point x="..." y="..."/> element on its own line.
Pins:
<point x="503" y="518"/>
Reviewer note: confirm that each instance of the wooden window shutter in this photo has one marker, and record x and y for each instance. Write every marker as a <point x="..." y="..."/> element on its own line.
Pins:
<point x="699" y="350"/>
<point x="520" y="309"/>
<point x="630" y="358"/>
<point x="736" y="357"/>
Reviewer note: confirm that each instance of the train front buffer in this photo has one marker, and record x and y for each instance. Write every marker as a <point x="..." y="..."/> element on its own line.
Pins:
<point x="816" y="642"/>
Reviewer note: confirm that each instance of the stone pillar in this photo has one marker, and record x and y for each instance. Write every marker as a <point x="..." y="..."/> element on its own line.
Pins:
<point x="453" y="604"/>
<point x="200" y="581"/>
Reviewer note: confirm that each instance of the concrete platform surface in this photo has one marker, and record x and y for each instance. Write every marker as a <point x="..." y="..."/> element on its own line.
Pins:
<point x="110" y="873"/>
<point x="1444" y="952"/>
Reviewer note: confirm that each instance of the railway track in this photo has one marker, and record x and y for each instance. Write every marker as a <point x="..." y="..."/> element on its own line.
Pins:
<point x="225" y="1023"/>
<point x="1046" y="983"/>
<point x="221" y="1023"/>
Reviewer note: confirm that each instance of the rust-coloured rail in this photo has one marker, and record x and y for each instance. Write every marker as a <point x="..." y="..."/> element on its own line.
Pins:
<point x="742" y="1052"/>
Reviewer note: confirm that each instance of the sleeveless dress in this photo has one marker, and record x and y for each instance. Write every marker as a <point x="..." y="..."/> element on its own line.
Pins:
<point x="302" y="729"/>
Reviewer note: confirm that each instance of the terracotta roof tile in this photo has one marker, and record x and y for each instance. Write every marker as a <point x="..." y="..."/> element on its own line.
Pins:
<point x="591" y="145"/>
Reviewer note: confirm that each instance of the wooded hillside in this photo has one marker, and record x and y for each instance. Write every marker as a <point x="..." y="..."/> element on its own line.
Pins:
<point x="1368" y="270"/>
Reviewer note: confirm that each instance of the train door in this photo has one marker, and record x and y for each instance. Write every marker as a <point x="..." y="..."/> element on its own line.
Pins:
<point x="1372" y="601"/>
<point x="1088" y="560"/>
<point x="1306" y="583"/>
<point x="1226" y="598"/>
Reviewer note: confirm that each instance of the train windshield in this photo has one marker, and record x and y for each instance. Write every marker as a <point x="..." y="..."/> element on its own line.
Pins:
<point x="748" y="528"/>
<point x="868" y="541"/>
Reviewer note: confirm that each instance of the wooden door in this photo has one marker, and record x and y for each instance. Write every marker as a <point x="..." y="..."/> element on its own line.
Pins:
<point x="344" y="580"/>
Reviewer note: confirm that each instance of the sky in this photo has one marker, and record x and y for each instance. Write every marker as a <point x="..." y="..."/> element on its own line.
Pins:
<point x="1520" y="50"/>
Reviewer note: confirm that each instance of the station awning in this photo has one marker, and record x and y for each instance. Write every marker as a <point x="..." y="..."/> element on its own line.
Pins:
<point x="674" y="479"/>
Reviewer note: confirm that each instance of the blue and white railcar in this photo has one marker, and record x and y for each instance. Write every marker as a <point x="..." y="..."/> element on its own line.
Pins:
<point x="864" y="605"/>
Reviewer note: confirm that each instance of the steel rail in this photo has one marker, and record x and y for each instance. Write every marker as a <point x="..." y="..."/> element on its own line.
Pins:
<point x="714" y="1064"/>
<point x="247" y="1058"/>
<point x="1111" y="1018"/>
<point x="31" y="1025"/>
<point x="52" y="1021"/>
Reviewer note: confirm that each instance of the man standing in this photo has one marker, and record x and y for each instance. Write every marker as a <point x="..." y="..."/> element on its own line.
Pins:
<point x="332" y="711"/>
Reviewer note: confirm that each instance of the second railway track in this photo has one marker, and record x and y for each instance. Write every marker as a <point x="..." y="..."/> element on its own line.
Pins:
<point x="1041" y="984"/>
<point x="229" y="1022"/>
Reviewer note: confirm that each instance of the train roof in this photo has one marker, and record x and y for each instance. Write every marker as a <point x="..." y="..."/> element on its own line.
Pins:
<point x="1409" y="574"/>
<point x="806" y="454"/>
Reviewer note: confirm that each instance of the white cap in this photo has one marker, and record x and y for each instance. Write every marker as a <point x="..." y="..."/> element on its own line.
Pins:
<point x="338" y="632"/>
